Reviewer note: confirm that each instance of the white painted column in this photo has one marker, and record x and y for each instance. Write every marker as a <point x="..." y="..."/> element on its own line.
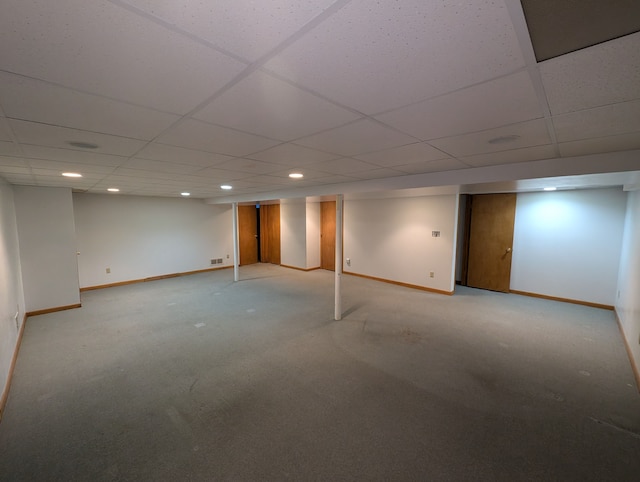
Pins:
<point x="236" y="255"/>
<point x="338" y="271"/>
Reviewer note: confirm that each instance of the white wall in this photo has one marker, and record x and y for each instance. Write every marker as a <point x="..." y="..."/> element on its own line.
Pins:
<point x="313" y="235"/>
<point x="392" y="239"/>
<point x="567" y="244"/>
<point x="140" y="237"/>
<point x="628" y="302"/>
<point x="11" y="293"/>
<point x="293" y="234"/>
<point x="48" y="258"/>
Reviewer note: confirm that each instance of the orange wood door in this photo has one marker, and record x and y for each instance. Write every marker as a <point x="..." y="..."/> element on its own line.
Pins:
<point x="270" y="233"/>
<point x="328" y="235"/>
<point x="248" y="234"/>
<point x="490" y="241"/>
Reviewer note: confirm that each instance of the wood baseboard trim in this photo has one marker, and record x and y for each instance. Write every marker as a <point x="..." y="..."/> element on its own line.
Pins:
<point x="564" y="300"/>
<point x="634" y="366"/>
<point x="399" y="283"/>
<point x="151" y="278"/>
<point x="299" y="269"/>
<point x="53" y="310"/>
<point x="12" y="366"/>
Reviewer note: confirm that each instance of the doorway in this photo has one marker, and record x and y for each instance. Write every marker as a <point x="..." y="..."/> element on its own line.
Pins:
<point x="328" y="235"/>
<point x="490" y="220"/>
<point x="248" y="234"/>
<point x="269" y="215"/>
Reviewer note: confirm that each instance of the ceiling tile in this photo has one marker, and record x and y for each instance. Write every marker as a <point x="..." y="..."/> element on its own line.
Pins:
<point x="409" y="154"/>
<point x="207" y="137"/>
<point x="308" y="172"/>
<point x="359" y="137"/>
<point x="293" y="154"/>
<point x="492" y="104"/>
<point x="223" y="176"/>
<point x="72" y="155"/>
<point x="531" y="133"/>
<point x="269" y="107"/>
<point x="507" y="157"/>
<point x="37" y="101"/>
<point x="377" y="173"/>
<point x="19" y="179"/>
<point x="181" y="155"/>
<point x="161" y="166"/>
<point x="623" y="142"/>
<point x="54" y="136"/>
<point x="431" y="166"/>
<point x="13" y="162"/>
<point x="249" y="166"/>
<point x="342" y="166"/>
<point x="247" y="28"/>
<point x="5" y="135"/>
<point x="8" y="149"/>
<point x="103" y="49"/>
<point x="422" y="49"/>
<point x="59" y="167"/>
<point x="598" y="122"/>
<point x="603" y="74"/>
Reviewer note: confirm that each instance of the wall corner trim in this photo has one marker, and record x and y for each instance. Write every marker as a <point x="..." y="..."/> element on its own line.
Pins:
<point x="5" y="392"/>
<point x="299" y="269"/>
<point x="564" y="300"/>
<point x="400" y="283"/>
<point x="634" y="365"/>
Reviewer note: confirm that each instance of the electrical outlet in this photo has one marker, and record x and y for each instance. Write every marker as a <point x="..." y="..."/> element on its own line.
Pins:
<point x="227" y="256"/>
<point x="432" y="274"/>
<point x="108" y="270"/>
<point x="348" y="260"/>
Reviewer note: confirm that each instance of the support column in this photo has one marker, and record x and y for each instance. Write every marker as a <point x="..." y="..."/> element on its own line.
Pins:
<point x="338" y="268"/>
<point x="236" y="255"/>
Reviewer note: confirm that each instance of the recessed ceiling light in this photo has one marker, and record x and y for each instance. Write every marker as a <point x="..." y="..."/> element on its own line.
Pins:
<point x="83" y="145"/>
<point x="550" y="188"/>
<point x="296" y="175"/>
<point x="185" y="194"/>
<point x="71" y="174"/>
<point x="226" y="187"/>
<point x="504" y="139"/>
<point x="113" y="189"/>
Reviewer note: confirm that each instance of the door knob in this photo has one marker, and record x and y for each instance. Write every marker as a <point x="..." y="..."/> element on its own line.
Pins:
<point x="508" y="250"/>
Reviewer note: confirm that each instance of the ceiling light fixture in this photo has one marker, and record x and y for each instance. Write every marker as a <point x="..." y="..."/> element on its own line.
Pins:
<point x="71" y="174"/>
<point x="550" y="188"/>
<point x="226" y="187"/>
<point x="83" y="145"/>
<point x="296" y="175"/>
<point x="504" y="139"/>
<point x="113" y="189"/>
<point x="185" y="194"/>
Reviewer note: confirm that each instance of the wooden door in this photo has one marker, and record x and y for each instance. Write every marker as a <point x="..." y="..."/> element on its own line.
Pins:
<point x="248" y="234"/>
<point x="270" y="233"/>
<point x="328" y="235"/>
<point x="490" y="241"/>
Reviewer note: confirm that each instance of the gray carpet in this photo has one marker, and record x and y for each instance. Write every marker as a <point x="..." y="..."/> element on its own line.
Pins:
<point x="199" y="378"/>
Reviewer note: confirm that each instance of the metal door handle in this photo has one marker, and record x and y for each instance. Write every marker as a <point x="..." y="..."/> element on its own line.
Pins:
<point x="508" y="250"/>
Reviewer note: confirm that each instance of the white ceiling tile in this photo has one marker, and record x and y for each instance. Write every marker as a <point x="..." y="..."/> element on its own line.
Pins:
<point x="181" y="155"/>
<point x="269" y="107"/>
<point x="161" y="166"/>
<point x="38" y="101"/>
<point x="598" y="122"/>
<point x="623" y="142"/>
<point x="223" y="176"/>
<point x="603" y="74"/>
<point x="409" y="154"/>
<point x="530" y="133"/>
<point x="54" y="136"/>
<point x="357" y="138"/>
<point x="14" y="170"/>
<point x="13" y="162"/>
<point x="19" y="179"/>
<point x="71" y="155"/>
<point x="8" y="149"/>
<point x="507" y="157"/>
<point x="247" y="28"/>
<point x="342" y="166"/>
<point x="308" y="173"/>
<point x="377" y="173"/>
<point x="293" y="154"/>
<point x="375" y="56"/>
<point x="104" y="49"/>
<point x="249" y="166"/>
<point x="207" y="137"/>
<point x="492" y="104"/>
<point x="5" y="135"/>
<point x="431" y="166"/>
<point x="61" y="166"/>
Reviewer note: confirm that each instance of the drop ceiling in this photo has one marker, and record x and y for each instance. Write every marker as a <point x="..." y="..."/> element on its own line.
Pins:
<point x="356" y="95"/>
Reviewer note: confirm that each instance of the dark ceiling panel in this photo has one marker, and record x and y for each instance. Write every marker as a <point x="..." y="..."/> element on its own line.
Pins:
<point x="558" y="27"/>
